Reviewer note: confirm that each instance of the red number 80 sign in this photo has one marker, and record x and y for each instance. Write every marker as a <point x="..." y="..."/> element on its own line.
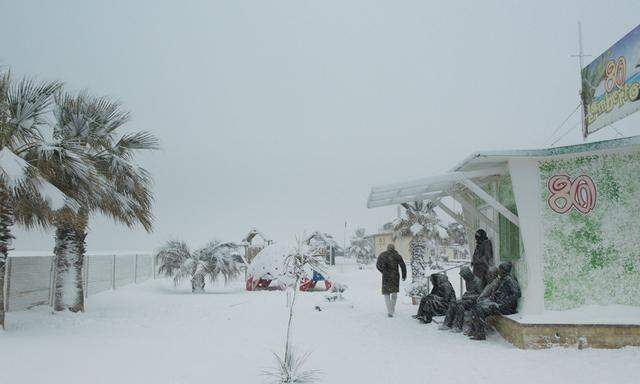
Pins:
<point x="580" y="193"/>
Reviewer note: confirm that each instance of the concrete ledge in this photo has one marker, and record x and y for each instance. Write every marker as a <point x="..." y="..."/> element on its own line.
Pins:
<point x="538" y="336"/>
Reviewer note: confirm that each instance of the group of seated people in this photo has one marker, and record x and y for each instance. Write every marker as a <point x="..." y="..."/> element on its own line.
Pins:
<point x="497" y="294"/>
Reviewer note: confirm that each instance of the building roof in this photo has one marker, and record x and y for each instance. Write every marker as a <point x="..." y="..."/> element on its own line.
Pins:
<point x="477" y="167"/>
<point x="252" y="234"/>
<point x="485" y="159"/>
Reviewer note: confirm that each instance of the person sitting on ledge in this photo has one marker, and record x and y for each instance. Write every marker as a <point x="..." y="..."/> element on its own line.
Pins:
<point x="492" y="285"/>
<point x="437" y="302"/>
<point x="503" y="301"/>
<point x="455" y="313"/>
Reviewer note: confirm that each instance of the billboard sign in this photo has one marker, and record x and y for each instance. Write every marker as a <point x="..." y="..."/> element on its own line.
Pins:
<point x="611" y="84"/>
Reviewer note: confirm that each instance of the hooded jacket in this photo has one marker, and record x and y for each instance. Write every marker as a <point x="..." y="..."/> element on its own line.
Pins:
<point x="472" y="283"/>
<point x="483" y="253"/>
<point x="442" y="288"/>
<point x="508" y="291"/>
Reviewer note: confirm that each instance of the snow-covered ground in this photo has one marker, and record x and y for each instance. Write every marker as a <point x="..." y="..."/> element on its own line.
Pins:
<point x="155" y="333"/>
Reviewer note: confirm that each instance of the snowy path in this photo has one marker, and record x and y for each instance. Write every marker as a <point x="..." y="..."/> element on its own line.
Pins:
<point x="154" y="333"/>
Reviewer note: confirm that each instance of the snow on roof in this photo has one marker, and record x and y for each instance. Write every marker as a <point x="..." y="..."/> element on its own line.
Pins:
<point x="270" y="262"/>
<point x="484" y="159"/>
<point x="478" y="167"/>
<point x="253" y="233"/>
<point x="323" y="237"/>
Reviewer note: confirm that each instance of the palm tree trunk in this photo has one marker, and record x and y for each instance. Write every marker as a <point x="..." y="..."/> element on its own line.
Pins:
<point x="417" y="248"/>
<point x="69" y="254"/>
<point x="197" y="283"/>
<point x="6" y="221"/>
<point x="62" y="255"/>
<point x="79" y="237"/>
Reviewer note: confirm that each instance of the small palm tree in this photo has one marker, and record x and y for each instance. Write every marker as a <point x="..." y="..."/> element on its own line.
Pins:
<point x="361" y="248"/>
<point x="215" y="260"/>
<point x="420" y="221"/>
<point x="290" y="366"/>
<point x="26" y="195"/>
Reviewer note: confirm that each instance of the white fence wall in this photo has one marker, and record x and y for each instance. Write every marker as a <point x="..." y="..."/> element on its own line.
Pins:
<point x="30" y="278"/>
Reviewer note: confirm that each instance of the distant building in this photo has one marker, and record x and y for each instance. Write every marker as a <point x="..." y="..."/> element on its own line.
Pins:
<point x="385" y="236"/>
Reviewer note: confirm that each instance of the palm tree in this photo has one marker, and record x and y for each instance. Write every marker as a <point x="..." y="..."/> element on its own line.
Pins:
<point x="26" y="195"/>
<point x="215" y="260"/>
<point x="419" y="220"/>
<point x="87" y="129"/>
<point x="361" y="248"/>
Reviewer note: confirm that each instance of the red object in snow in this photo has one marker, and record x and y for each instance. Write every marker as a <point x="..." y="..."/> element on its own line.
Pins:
<point x="252" y="286"/>
<point x="305" y="285"/>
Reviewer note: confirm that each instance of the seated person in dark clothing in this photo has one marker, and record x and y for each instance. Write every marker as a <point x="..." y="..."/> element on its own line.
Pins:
<point x="455" y="312"/>
<point x="437" y="302"/>
<point x="489" y="289"/>
<point x="503" y="301"/>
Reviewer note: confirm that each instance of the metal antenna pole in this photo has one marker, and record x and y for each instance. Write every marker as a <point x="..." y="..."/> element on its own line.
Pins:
<point x="580" y="57"/>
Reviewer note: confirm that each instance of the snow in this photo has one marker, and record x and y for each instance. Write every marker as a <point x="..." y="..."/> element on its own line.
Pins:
<point x="155" y="333"/>
<point x="13" y="167"/>
<point x="270" y="262"/>
<point x="589" y="314"/>
<point x="416" y="228"/>
<point x="53" y="196"/>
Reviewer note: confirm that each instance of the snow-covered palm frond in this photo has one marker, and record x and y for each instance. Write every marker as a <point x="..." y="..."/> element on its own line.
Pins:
<point x="221" y="260"/>
<point x="214" y="260"/>
<point x="109" y="115"/>
<point x="27" y="103"/>
<point x="123" y="190"/>
<point x="131" y="142"/>
<point x="171" y="259"/>
<point x="24" y="181"/>
<point x="361" y="248"/>
<point x="419" y="219"/>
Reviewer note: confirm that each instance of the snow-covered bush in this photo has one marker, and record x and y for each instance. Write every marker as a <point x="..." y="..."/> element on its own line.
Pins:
<point x="418" y="289"/>
<point x="213" y="261"/>
<point x="361" y="248"/>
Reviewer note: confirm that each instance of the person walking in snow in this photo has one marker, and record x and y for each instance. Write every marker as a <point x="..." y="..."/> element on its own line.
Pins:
<point x="388" y="263"/>
<point x="482" y="258"/>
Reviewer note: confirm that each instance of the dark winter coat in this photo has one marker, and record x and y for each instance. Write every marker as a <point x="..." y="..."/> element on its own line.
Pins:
<point x="442" y="288"/>
<point x="438" y="301"/>
<point x="482" y="257"/>
<point x="492" y="283"/>
<point x="472" y="283"/>
<point x="388" y="263"/>
<point x="456" y="310"/>
<point x="508" y="291"/>
<point x="503" y="301"/>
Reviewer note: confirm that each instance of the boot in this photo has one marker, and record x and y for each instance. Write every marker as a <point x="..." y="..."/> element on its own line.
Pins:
<point x="479" y="336"/>
<point x="444" y="327"/>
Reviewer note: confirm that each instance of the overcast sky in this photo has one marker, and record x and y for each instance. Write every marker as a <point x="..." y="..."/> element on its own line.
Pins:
<point x="282" y="114"/>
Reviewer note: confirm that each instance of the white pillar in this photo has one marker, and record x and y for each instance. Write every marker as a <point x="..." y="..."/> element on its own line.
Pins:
<point x="525" y="177"/>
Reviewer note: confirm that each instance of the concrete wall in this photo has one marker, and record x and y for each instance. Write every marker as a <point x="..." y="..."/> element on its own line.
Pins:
<point x="590" y="255"/>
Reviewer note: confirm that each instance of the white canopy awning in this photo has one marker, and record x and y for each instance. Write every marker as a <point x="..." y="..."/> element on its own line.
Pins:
<point x="449" y="184"/>
<point x="427" y="188"/>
